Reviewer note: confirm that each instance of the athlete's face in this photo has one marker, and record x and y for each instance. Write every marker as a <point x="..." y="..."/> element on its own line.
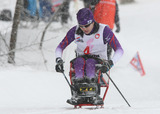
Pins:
<point x="87" y="28"/>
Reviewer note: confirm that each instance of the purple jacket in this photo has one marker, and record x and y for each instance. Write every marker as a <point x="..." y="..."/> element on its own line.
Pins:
<point x="108" y="37"/>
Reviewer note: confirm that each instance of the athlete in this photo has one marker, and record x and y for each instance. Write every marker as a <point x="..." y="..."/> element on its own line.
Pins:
<point x="92" y="39"/>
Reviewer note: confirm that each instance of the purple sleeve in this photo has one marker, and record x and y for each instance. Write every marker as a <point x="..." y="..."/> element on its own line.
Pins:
<point x="110" y="38"/>
<point x="70" y="37"/>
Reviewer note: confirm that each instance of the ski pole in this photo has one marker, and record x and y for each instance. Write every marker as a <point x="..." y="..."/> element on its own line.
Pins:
<point x="71" y="87"/>
<point x="66" y="79"/>
<point x="118" y="90"/>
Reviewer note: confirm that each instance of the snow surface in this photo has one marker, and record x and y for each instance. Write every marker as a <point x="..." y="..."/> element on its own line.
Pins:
<point x="33" y="87"/>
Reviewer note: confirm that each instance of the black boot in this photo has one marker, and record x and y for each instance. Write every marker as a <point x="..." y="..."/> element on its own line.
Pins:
<point x="74" y="101"/>
<point x="97" y="100"/>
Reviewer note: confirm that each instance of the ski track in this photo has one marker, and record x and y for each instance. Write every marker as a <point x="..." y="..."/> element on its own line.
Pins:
<point x="87" y="110"/>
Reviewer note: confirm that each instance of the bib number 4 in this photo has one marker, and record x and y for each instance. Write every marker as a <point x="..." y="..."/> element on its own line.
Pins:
<point x="86" y="50"/>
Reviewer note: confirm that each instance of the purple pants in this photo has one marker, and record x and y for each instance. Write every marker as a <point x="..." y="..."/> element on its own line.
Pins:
<point x="81" y="65"/>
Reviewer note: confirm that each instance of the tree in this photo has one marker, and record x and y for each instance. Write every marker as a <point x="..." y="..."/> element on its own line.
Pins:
<point x="13" y="38"/>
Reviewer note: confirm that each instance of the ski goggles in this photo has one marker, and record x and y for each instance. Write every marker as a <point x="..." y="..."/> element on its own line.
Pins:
<point x="85" y="26"/>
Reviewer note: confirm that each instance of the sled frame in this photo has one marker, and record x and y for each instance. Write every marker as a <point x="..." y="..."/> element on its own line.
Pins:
<point x="100" y="80"/>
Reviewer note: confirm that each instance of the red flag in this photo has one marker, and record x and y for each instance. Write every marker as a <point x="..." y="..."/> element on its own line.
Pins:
<point x="137" y="64"/>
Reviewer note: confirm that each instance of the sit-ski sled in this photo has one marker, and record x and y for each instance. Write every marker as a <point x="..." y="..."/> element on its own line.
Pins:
<point x="103" y="82"/>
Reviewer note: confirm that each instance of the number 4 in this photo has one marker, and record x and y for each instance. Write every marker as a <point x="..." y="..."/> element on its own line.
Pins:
<point x="86" y="50"/>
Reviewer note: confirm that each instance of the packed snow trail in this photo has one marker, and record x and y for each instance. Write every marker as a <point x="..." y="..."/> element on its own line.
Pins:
<point x="24" y="90"/>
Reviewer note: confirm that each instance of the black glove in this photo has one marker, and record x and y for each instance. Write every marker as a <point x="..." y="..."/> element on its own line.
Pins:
<point x="106" y="66"/>
<point x="59" y="65"/>
<point x="117" y="27"/>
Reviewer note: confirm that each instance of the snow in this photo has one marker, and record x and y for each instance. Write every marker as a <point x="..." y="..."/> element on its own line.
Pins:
<point x="33" y="87"/>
